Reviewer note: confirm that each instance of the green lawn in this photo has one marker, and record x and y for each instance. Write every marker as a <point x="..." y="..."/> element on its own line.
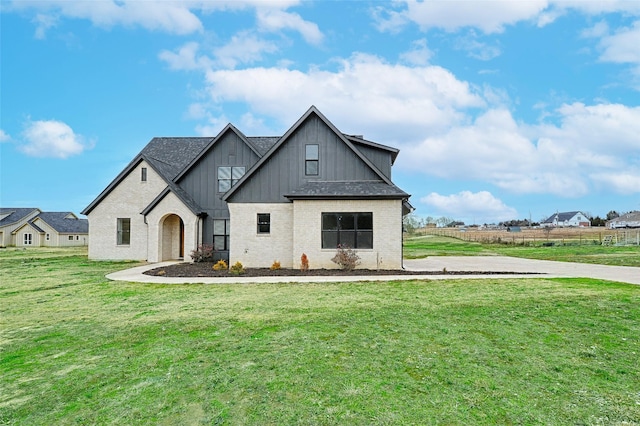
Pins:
<point x="432" y="245"/>
<point x="78" y="349"/>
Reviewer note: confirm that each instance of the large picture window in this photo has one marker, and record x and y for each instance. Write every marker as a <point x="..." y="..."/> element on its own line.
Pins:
<point x="311" y="160"/>
<point x="124" y="231"/>
<point x="354" y="230"/>
<point x="229" y="176"/>
<point x="221" y="233"/>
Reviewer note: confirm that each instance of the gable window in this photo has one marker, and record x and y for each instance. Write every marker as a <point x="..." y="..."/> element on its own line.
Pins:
<point x="221" y="234"/>
<point x="264" y="223"/>
<point x="229" y="176"/>
<point x="354" y="230"/>
<point x="143" y="174"/>
<point x="28" y="239"/>
<point x="48" y="237"/>
<point x="124" y="231"/>
<point x="311" y="160"/>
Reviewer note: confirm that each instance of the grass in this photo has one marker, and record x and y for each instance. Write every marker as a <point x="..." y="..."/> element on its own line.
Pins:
<point x="78" y="349"/>
<point x="432" y="245"/>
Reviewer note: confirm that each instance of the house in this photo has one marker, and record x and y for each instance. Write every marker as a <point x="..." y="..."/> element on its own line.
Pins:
<point x="31" y="227"/>
<point x="567" y="219"/>
<point x="628" y="220"/>
<point x="255" y="199"/>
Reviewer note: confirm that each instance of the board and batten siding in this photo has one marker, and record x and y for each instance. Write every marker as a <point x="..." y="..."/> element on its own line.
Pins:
<point x="126" y="200"/>
<point x="201" y="182"/>
<point x="284" y="170"/>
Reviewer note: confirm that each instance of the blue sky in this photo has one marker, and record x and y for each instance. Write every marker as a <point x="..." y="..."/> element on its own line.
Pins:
<point x="501" y="109"/>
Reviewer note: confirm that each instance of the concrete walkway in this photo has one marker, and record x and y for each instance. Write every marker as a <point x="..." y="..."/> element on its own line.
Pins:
<point x="519" y="267"/>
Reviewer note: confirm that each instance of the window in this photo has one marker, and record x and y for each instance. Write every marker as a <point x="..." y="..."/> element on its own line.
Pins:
<point x="48" y="237"/>
<point x="70" y="237"/>
<point x="124" y="231"/>
<point x="143" y="175"/>
<point x="311" y="160"/>
<point x="28" y="239"/>
<point x="221" y="234"/>
<point x="264" y="223"/>
<point x="353" y="230"/>
<point x="229" y="176"/>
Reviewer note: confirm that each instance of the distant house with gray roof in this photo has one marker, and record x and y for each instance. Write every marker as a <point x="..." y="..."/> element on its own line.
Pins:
<point x="255" y="199"/>
<point x="31" y="227"/>
<point x="627" y="220"/>
<point x="567" y="219"/>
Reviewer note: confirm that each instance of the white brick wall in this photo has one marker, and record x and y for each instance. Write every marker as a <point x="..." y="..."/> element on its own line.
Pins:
<point x="260" y="250"/>
<point x="164" y="226"/>
<point x="387" y="232"/>
<point x="126" y="200"/>
<point x="296" y="229"/>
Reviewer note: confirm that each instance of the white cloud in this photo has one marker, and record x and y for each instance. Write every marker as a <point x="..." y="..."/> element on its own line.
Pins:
<point x="4" y="137"/>
<point x="591" y="145"/>
<point x="478" y="50"/>
<point x="185" y="58"/>
<point x="470" y="206"/>
<point x="623" y="46"/>
<point x="489" y="17"/>
<point x="172" y="17"/>
<point x="51" y="138"/>
<point x="419" y="54"/>
<point x="274" y="20"/>
<point x="242" y="49"/>
<point x="364" y="91"/>
<point x="175" y="17"/>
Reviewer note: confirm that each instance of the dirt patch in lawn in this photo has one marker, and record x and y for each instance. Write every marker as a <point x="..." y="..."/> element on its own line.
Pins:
<point x="205" y="269"/>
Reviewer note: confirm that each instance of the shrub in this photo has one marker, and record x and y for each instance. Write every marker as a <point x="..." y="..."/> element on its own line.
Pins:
<point x="275" y="266"/>
<point x="346" y="258"/>
<point x="204" y="253"/>
<point x="304" y="262"/>
<point x="237" y="268"/>
<point x="220" y="265"/>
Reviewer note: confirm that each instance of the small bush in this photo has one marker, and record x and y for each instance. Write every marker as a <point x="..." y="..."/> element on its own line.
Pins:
<point x="346" y="258"/>
<point x="220" y="265"/>
<point x="304" y="262"/>
<point x="237" y="268"/>
<point x="275" y="266"/>
<point x="204" y="253"/>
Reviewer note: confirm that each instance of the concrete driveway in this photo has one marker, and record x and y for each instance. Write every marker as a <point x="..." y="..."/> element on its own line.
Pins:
<point x="624" y="274"/>
<point x="518" y="268"/>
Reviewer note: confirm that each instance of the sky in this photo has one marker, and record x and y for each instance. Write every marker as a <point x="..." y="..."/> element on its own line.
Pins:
<point x="501" y="109"/>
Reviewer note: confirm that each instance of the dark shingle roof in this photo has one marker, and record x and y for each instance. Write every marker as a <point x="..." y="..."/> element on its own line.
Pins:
<point x="63" y="222"/>
<point x="14" y="214"/>
<point x="263" y="143"/>
<point x="170" y="155"/>
<point x="561" y="216"/>
<point x="347" y="189"/>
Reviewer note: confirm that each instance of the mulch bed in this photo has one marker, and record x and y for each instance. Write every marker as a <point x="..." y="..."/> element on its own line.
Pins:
<point x="205" y="269"/>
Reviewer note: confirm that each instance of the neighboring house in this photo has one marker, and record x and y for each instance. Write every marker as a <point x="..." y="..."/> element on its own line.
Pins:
<point x="30" y="227"/>
<point x="628" y="220"/>
<point x="12" y="219"/>
<point x="255" y="199"/>
<point x="567" y="219"/>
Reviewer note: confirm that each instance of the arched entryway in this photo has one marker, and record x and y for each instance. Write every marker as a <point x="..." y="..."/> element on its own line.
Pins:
<point x="171" y="237"/>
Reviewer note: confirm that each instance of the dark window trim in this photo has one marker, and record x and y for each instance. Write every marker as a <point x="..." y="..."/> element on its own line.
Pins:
<point x="232" y="179"/>
<point x="264" y="223"/>
<point x="123" y="236"/>
<point x="311" y="160"/>
<point x="143" y="174"/>
<point x="224" y="237"/>
<point x="354" y="231"/>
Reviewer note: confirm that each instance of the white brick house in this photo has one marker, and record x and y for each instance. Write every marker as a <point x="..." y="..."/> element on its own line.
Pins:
<point x="255" y="199"/>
